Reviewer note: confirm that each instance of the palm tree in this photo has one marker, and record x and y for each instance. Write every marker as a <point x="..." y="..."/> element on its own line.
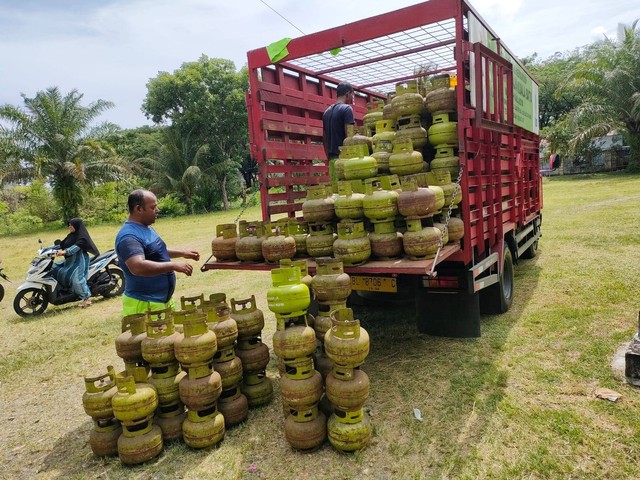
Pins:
<point x="610" y="84"/>
<point x="52" y="139"/>
<point x="177" y="168"/>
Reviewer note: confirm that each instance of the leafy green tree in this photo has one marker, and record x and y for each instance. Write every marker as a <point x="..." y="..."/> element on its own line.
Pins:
<point x="52" y="139"/>
<point x="609" y="82"/>
<point x="205" y="101"/>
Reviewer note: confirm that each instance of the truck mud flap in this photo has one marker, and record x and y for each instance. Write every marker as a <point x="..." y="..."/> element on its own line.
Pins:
<point x="448" y="314"/>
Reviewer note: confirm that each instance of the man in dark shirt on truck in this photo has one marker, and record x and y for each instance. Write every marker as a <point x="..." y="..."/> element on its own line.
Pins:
<point x="149" y="272"/>
<point x="335" y="120"/>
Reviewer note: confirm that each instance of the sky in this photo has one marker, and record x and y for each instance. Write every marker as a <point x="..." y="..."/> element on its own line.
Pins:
<point x="110" y="49"/>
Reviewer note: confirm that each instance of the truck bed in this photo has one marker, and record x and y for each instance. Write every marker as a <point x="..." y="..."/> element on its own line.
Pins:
<point x="391" y="267"/>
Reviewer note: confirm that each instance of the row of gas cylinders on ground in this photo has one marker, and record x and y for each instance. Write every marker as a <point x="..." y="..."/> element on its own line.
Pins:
<point x="386" y="223"/>
<point x="320" y="358"/>
<point x="188" y="375"/>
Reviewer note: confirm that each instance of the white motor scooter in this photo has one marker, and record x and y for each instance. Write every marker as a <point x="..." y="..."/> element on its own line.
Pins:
<point x="40" y="288"/>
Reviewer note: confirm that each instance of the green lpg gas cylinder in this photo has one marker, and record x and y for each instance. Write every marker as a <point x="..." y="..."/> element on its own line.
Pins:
<point x="378" y="204"/>
<point x="288" y="296"/>
<point x="407" y="100"/>
<point x="346" y="343"/>
<point x="133" y="401"/>
<point x="443" y="132"/>
<point x="100" y="390"/>
<point x="104" y="435"/>
<point x="382" y="143"/>
<point x="165" y="379"/>
<point x="129" y="342"/>
<point x="410" y="128"/>
<point x="355" y="138"/>
<point x="348" y="204"/>
<point x="233" y="406"/>
<point x="420" y="242"/>
<point x="322" y="321"/>
<point x="349" y="431"/>
<point x="204" y="428"/>
<point x="319" y="205"/>
<point x="352" y="246"/>
<point x="157" y="347"/>
<point x="225" y="328"/>
<point x="405" y="160"/>
<point x="301" y="387"/>
<point x="249" y="245"/>
<point x="249" y="318"/>
<point x="258" y="388"/>
<point x="361" y="165"/>
<point x="293" y="340"/>
<point x="331" y="283"/>
<point x="348" y="394"/>
<point x="170" y="419"/>
<point x="320" y="239"/>
<point x="141" y="447"/>
<point x="228" y="366"/>
<point x="198" y="344"/>
<point x="373" y="115"/>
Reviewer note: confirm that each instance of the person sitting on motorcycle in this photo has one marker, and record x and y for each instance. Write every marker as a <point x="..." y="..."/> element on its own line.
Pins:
<point x="75" y="248"/>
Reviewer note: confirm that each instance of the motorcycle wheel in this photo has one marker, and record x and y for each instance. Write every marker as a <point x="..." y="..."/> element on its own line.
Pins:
<point x="117" y="277"/>
<point x="30" y="302"/>
<point x="1" y="292"/>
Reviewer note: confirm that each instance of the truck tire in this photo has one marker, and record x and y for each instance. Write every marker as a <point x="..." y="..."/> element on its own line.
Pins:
<point x="498" y="297"/>
<point x="531" y="251"/>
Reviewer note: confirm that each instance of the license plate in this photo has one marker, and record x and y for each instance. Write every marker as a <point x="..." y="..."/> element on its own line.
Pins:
<point x="374" y="284"/>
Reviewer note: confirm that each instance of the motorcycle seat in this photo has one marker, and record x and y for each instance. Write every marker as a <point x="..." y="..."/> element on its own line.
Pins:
<point x="97" y="258"/>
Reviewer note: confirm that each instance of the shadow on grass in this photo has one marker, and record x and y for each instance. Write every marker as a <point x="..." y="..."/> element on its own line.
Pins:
<point x="456" y="384"/>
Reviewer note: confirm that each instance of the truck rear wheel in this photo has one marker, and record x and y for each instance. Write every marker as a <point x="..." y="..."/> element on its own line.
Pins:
<point x="498" y="297"/>
<point x="531" y="251"/>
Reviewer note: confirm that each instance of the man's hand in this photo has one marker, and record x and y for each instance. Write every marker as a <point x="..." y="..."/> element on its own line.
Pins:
<point x="191" y="254"/>
<point x="183" y="267"/>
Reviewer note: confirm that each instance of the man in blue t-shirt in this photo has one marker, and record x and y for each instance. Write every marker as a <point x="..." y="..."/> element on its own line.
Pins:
<point x="335" y="120"/>
<point x="149" y="272"/>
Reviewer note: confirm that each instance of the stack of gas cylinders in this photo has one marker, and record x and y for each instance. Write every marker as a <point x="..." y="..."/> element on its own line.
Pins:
<point x="396" y="186"/>
<point x="191" y="363"/>
<point x="294" y="342"/>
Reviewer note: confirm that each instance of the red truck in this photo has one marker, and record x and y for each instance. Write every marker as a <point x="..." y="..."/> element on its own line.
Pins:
<point x="291" y="84"/>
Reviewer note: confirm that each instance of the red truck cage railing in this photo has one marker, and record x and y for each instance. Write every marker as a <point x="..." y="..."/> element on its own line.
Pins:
<point x="501" y="184"/>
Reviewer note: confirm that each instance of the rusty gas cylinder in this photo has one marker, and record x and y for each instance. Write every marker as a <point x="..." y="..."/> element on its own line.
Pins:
<point x="215" y="300"/>
<point x="386" y="242"/>
<point x="444" y="231"/>
<point x="407" y="100"/>
<point x="301" y="386"/>
<point x="443" y="162"/>
<point x="203" y="428"/>
<point x="170" y="419"/>
<point x="104" y="435"/>
<point x="356" y="139"/>
<point x="353" y="246"/>
<point x="383" y="144"/>
<point x="373" y="115"/>
<point x="133" y="401"/>
<point x="228" y="366"/>
<point x="233" y="406"/>
<point x="410" y="128"/>
<point x="320" y="239"/>
<point x="249" y="245"/>
<point x="100" y="390"/>
<point x="319" y="205"/>
<point x="415" y="201"/>
<point x="420" y="242"/>
<point x="441" y="100"/>
<point x="306" y="430"/>
<point x="198" y="344"/>
<point x="166" y="379"/>
<point x="346" y="343"/>
<point x="223" y="246"/>
<point x="299" y="229"/>
<point x="201" y="387"/>
<point x="277" y="244"/>
<point x="225" y="328"/>
<point x="379" y="204"/>
<point x="258" y="388"/>
<point x="348" y="394"/>
<point x="157" y="347"/>
<point x="322" y="321"/>
<point x="249" y="318"/>
<point x="253" y="354"/>
<point x="349" y="431"/>
<point x="331" y="283"/>
<point x="293" y="338"/>
<point x="304" y="271"/>
<point x="141" y="445"/>
<point x="456" y="229"/>
<point x="129" y="342"/>
<point x="323" y="364"/>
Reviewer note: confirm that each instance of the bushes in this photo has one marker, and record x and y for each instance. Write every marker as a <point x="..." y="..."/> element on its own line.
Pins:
<point x="171" y="206"/>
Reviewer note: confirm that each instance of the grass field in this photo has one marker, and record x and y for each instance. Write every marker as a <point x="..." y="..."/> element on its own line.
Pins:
<point x="517" y="403"/>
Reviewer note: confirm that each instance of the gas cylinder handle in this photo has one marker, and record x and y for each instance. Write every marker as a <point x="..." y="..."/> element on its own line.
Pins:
<point x="97" y="384"/>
